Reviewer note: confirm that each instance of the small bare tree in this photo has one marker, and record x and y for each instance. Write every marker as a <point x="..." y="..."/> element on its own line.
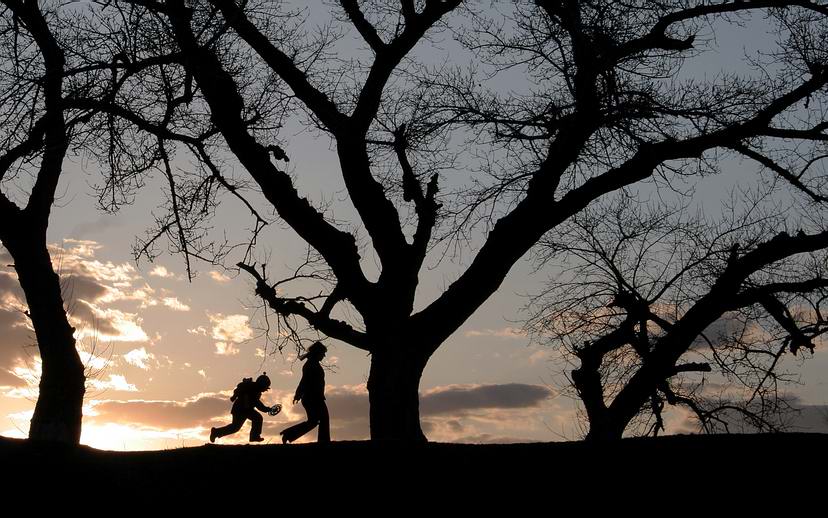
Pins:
<point x="654" y="305"/>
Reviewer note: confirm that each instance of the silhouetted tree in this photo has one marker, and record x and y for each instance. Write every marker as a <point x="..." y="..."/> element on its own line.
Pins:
<point x="49" y="59"/>
<point x="604" y="106"/>
<point x="35" y="136"/>
<point x="650" y="299"/>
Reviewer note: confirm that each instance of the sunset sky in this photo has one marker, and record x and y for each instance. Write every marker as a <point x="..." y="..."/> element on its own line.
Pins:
<point x="165" y="353"/>
<point x="169" y="352"/>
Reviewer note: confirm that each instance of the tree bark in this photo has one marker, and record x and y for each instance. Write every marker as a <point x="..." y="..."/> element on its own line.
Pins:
<point x="393" y="393"/>
<point x="59" y="409"/>
<point x="605" y="426"/>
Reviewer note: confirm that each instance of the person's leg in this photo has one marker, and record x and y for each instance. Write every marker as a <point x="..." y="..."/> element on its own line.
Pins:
<point x="256" y="426"/>
<point x="235" y="426"/>
<point x="324" y="434"/>
<point x="298" y="430"/>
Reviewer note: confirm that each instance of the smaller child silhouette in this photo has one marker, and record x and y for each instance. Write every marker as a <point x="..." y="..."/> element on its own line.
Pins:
<point x="246" y="401"/>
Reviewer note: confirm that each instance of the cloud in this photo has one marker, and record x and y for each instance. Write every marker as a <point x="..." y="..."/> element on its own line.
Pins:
<point x="77" y="247"/>
<point x="17" y="341"/>
<point x="110" y="324"/>
<point x="114" y="382"/>
<point x="457" y="413"/>
<point x="458" y="399"/>
<point x="231" y="328"/>
<point x="84" y="287"/>
<point x="810" y="418"/>
<point x="15" y="337"/>
<point x="160" y="271"/>
<point x="79" y="259"/>
<point x="225" y="349"/>
<point x="89" y="285"/>
<point x="139" y="358"/>
<point x="174" y="304"/>
<point x="474" y="407"/>
<point x="92" y="360"/>
<point x="10" y="293"/>
<point x="219" y="277"/>
<point x="8" y="379"/>
<point x="511" y="333"/>
<point x="799" y="418"/>
<point x="194" y="412"/>
<point x="228" y="330"/>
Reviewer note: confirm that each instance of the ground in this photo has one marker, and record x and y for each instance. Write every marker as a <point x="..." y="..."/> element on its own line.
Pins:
<point x="679" y="469"/>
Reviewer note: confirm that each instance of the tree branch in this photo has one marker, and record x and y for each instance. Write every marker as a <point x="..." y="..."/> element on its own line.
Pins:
<point x="778" y="169"/>
<point x="366" y="30"/>
<point x="221" y="93"/>
<point x="315" y="100"/>
<point x="318" y="320"/>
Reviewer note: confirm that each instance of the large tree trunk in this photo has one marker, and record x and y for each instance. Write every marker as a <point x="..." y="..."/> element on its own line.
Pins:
<point x="393" y="392"/>
<point x="58" y="412"/>
<point x="605" y="428"/>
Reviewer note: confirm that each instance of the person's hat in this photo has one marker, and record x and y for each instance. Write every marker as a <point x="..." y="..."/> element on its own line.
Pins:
<point x="263" y="381"/>
<point x="315" y="348"/>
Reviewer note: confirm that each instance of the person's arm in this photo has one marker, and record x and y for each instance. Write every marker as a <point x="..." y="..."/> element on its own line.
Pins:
<point x="261" y="406"/>
<point x="300" y="390"/>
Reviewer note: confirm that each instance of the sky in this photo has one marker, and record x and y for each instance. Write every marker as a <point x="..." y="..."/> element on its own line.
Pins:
<point x="164" y="353"/>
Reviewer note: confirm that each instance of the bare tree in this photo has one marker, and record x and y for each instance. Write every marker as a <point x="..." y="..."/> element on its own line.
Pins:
<point x="656" y="306"/>
<point x="605" y="107"/>
<point x="36" y="138"/>
<point x="48" y="58"/>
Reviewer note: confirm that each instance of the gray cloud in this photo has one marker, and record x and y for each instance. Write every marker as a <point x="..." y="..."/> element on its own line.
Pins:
<point x="7" y="379"/>
<point x="811" y="418"/>
<point x="163" y="414"/>
<point x="9" y="284"/>
<point x="352" y="403"/>
<point x="347" y="403"/>
<point x="797" y="418"/>
<point x="14" y="337"/>
<point x="348" y="407"/>
<point x="83" y="312"/>
<point x="458" y="399"/>
<point x="83" y="287"/>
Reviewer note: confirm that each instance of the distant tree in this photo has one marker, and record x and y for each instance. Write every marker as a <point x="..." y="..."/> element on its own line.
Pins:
<point x="597" y="101"/>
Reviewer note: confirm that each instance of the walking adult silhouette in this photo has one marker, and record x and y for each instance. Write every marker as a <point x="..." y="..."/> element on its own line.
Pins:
<point x="311" y="392"/>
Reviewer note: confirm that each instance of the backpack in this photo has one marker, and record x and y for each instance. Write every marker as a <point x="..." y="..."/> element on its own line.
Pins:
<point x="246" y="387"/>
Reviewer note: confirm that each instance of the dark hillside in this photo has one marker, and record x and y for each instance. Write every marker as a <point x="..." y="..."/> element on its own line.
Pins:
<point x="679" y="465"/>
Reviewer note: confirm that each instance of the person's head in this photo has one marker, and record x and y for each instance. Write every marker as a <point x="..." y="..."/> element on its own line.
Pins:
<point x="316" y="351"/>
<point x="263" y="382"/>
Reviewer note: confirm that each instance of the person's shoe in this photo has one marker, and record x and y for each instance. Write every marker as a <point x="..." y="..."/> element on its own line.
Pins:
<point x="284" y="437"/>
<point x="257" y="439"/>
<point x="212" y="435"/>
